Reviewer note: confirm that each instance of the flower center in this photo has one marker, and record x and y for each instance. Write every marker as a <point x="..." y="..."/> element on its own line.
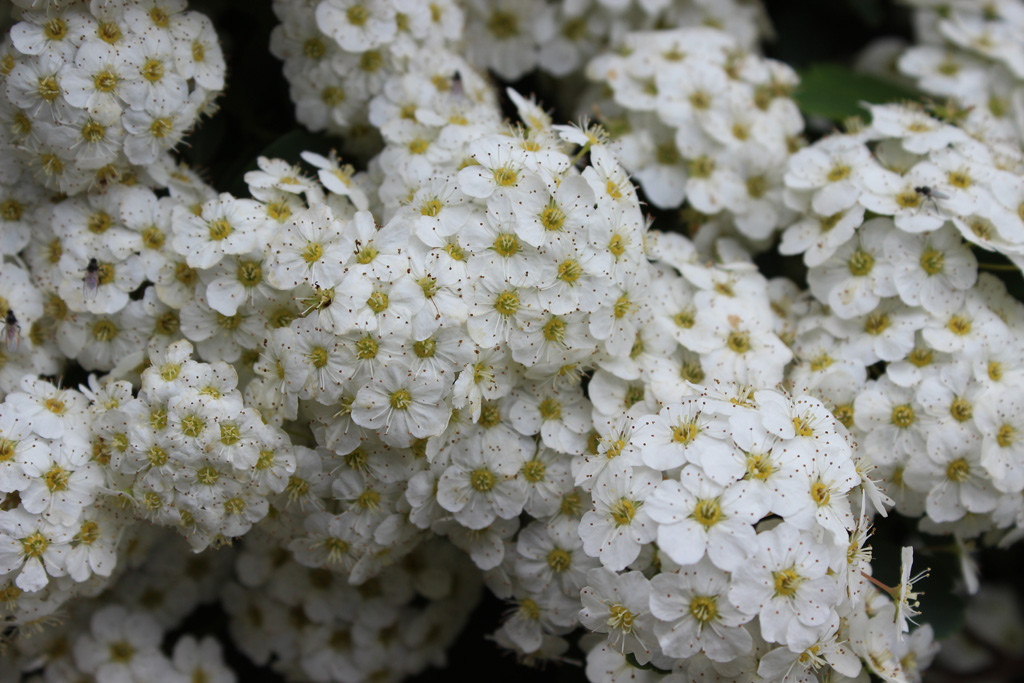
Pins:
<point x="503" y="25"/>
<point x="903" y="415"/>
<point x="876" y="324"/>
<point x="426" y="348"/>
<point x="153" y="70"/>
<point x="820" y="493"/>
<point x="707" y="512"/>
<point x="787" y="582"/>
<point x="559" y="560"/>
<point x="550" y="409"/>
<point x="534" y="471"/>
<point x="838" y="172"/>
<point x="378" y="302"/>
<point x="1006" y="435"/>
<point x="552" y="217"/>
<point x="738" y="342"/>
<point x="192" y="425"/>
<point x="621" y="618"/>
<point x="623" y="511"/>
<point x="506" y="245"/>
<point x="554" y="330"/>
<point x="961" y="410"/>
<point x="685" y="432"/>
<point x="357" y="15"/>
<point x="704" y="608"/>
<point x="958" y="470"/>
<point x="959" y="325"/>
<point x="933" y="261"/>
<point x="861" y="263"/>
<point x="57" y="478"/>
<point x="482" y="479"/>
<point x="34" y="545"/>
<point x="229" y="434"/>
<point x="507" y="303"/>
<point x="400" y="399"/>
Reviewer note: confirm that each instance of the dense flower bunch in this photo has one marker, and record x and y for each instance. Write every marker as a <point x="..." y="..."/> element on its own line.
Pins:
<point x="903" y="289"/>
<point x="340" y="54"/>
<point x="702" y="119"/>
<point x="973" y="55"/>
<point x="92" y="90"/>
<point x="513" y="38"/>
<point x="308" y="622"/>
<point x="357" y="396"/>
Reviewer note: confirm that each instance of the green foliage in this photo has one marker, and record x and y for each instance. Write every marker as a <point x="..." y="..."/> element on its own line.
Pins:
<point x="835" y="92"/>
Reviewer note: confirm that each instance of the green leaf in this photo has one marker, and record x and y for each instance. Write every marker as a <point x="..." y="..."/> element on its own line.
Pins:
<point x="835" y="92"/>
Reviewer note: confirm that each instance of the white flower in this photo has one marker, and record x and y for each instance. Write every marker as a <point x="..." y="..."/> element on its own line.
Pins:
<point x="932" y="270"/>
<point x="695" y="515"/>
<point x="552" y="554"/>
<point x="357" y="25"/>
<point x="225" y="226"/>
<point x="683" y="433"/>
<point x="1000" y="420"/>
<point x="905" y="597"/>
<point x="619" y="605"/>
<point x="34" y="546"/>
<point x="481" y="484"/>
<point x="618" y="524"/>
<point x="694" y="614"/>
<point x="328" y="542"/>
<point x="858" y="274"/>
<point x="830" y="170"/>
<point x="201" y="660"/>
<point x="402" y="407"/>
<point x="952" y="475"/>
<point x="787" y="584"/>
<point x="61" y="484"/>
<point x="120" y="645"/>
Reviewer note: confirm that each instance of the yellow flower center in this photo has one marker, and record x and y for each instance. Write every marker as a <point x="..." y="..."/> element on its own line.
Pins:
<point x="534" y="471"/>
<point x="903" y="415"/>
<point x="620" y="618"/>
<point x="861" y="263"/>
<point x="482" y="479"/>
<point x="707" y="513"/>
<point x="933" y="261"/>
<point x="623" y="511"/>
<point x="704" y="608"/>
<point x="559" y="560"/>
<point x="787" y="582"/>
<point x="958" y="470"/>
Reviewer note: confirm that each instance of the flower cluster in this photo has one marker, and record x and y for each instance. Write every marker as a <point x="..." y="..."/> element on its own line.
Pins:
<point x="513" y="38"/>
<point x="701" y="119"/>
<point x="357" y="396"/>
<point x="903" y="289"/>
<point x="972" y="55"/>
<point x="92" y="91"/>
<point x="115" y="629"/>
<point x="340" y="54"/>
<point x="60" y="524"/>
<point x="310" y="624"/>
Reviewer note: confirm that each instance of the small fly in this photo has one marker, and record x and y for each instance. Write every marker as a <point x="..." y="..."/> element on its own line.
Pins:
<point x="12" y="331"/>
<point x="457" y="88"/>
<point x="930" y="194"/>
<point x="91" y="281"/>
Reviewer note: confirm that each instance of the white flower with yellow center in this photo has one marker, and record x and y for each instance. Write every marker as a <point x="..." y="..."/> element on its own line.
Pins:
<point x="694" y="614"/>
<point x="787" y="584"/>
<point x="695" y="515"/>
